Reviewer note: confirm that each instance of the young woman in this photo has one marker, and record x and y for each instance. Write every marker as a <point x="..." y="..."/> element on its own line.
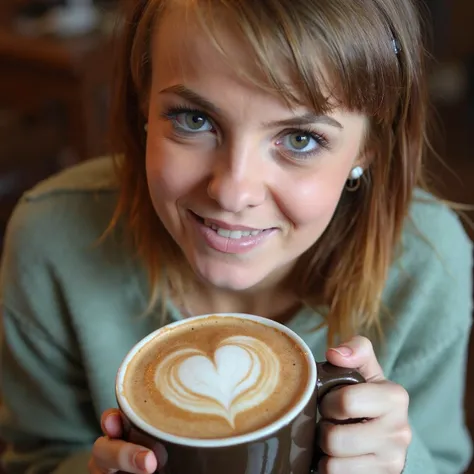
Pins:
<point x="269" y="162"/>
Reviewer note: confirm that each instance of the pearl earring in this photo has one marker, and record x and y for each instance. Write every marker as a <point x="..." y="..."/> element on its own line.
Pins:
<point x="357" y="172"/>
<point x="145" y="127"/>
<point x="353" y="183"/>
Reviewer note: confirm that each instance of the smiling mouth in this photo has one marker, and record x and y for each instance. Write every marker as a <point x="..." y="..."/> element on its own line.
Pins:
<point x="235" y="234"/>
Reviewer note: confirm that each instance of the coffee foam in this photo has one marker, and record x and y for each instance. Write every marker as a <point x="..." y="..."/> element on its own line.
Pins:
<point x="216" y="378"/>
<point x="231" y="382"/>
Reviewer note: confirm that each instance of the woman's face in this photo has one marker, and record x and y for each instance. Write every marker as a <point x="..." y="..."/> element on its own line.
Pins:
<point x="242" y="183"/>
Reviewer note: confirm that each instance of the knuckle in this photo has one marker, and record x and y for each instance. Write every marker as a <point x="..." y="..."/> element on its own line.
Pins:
<point x="401" y="397"/>
<point x="365" y="344"/>
<point x="405" y="436"/>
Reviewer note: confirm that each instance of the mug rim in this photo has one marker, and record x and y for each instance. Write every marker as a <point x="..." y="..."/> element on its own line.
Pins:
<point x="268" y="430"/>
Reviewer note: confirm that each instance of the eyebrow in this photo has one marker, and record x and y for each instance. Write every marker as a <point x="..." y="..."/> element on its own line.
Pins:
<point x="201" y="102"/>
<point x="306" y="119"/>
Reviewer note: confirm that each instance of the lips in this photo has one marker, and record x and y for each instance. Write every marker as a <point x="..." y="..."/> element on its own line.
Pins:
<point x="231" y="234"/>
<point x="230" y="238"/>
<point x="227" y="228"/>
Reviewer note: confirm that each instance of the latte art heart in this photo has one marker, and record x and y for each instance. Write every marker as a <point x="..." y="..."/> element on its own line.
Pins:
<point x="241" y="375"/>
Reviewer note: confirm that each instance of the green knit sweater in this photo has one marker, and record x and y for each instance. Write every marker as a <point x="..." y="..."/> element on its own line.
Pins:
<point x="71" y="310"/>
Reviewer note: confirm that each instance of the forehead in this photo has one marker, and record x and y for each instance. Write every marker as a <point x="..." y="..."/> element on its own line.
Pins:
<point x="182" y="47"/>
<point x="184" y="50"/>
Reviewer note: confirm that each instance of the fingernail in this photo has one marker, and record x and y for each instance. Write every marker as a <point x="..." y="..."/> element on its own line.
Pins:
<point x="109" y="423"/>
<point x="140" y="460"/>
<point x="343" y="350"/>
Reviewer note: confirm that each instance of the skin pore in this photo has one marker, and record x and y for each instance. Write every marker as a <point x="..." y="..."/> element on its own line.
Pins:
<point x="221" y="148"/>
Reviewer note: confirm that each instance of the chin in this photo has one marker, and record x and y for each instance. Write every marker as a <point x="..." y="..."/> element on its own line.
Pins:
<point x="230" y="277"/>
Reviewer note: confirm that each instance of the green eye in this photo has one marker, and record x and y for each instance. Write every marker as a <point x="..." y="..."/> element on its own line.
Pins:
<point x="192" y="122"/>
<point x="300" y="144"/>
<point x="299" y="141"/>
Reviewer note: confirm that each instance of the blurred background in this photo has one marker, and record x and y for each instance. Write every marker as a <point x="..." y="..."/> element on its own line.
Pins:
<point x="55" y="68"/>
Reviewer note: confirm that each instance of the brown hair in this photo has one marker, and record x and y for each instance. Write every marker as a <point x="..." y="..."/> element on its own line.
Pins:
<point x="346" y="269"/>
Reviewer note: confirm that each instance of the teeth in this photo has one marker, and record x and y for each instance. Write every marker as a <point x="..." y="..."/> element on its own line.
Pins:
<point x="231" y="234"/>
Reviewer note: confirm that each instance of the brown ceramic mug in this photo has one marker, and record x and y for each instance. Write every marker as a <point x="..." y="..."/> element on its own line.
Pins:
<point x="266" y="356"/>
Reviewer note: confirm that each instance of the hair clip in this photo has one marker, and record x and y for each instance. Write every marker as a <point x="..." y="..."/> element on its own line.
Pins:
<point x="396" y="46"/>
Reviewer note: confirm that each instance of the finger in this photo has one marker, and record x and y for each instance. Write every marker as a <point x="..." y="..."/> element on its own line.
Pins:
<point x="358" y="353"/>
<point x="111" y="423"/>
<point x="120" y="455"/>
<point x="361" y="465"/>
<point x="346" y="441"/>
<point x="93" y="469"/>
<point x="370" y="400"/>
<point x="354" y="465"/>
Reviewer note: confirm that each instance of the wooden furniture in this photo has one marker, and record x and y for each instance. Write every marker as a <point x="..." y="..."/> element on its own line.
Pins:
<point x="72" y="74"/>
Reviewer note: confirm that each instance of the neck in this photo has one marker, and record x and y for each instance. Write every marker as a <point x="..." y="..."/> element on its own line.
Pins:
<point x="275" y="302"/>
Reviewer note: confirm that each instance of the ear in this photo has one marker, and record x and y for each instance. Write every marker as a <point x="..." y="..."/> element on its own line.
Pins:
<point x="365" y="158"/>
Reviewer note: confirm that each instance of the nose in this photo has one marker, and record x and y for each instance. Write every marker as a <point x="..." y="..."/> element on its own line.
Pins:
<point x="238" y="180"/>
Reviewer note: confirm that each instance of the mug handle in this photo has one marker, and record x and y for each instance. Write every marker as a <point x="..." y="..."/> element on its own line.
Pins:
<point x="329" y="378"/>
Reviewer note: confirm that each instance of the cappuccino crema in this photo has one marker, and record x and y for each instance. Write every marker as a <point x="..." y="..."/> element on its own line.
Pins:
<point x="216" y="377"/>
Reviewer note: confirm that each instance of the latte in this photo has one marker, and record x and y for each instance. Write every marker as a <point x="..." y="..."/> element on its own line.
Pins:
<point x="216" y="377"/>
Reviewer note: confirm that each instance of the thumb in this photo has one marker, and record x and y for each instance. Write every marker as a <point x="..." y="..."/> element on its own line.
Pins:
<point x="111" y="423"/>
<point x="357" y="353"/>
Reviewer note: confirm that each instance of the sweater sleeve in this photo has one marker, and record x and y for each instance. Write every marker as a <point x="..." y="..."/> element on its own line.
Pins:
<point x="45" y="406"/>
<point x="46" y="415"/>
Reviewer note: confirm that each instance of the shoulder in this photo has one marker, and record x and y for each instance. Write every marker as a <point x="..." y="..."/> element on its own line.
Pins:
<point x="434" y="242"/>
<point x="60" y="267"/>
<point x="75" y="204"/>
<point x="60" y="221"/>
<point x="55" y="251"/>
<point x="438" y="224"/>
<point x="96" y="175"/>
<point x="428" y="295"/>
<point x="435" y="253"/>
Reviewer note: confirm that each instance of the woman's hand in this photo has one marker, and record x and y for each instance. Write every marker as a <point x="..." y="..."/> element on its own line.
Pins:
<point x="377" y="445"/>
<point x="110" y="454"/>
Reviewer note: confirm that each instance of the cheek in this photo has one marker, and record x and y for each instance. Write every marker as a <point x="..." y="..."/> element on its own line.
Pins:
<point x="171" y="172"/>
<point x="312" y="201"/>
